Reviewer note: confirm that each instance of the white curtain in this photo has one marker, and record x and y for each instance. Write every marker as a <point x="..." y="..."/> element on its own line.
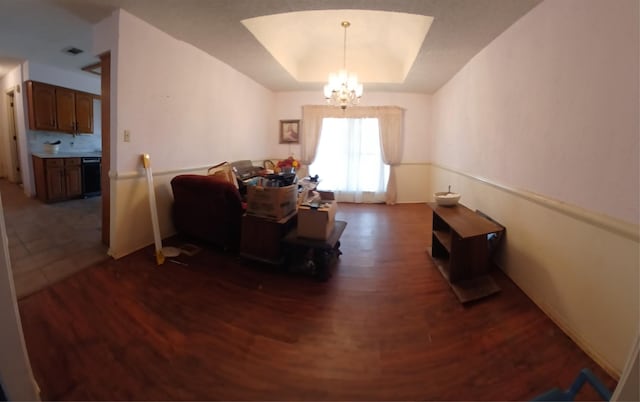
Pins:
<point x="311" y="127"/>
<point x="391" y="128"/>
<point x="349" y="161"/>
<point x="391" y="123"/>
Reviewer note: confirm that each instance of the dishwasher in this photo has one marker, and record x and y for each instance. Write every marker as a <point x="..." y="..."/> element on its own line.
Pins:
<point x="91" y="176"/>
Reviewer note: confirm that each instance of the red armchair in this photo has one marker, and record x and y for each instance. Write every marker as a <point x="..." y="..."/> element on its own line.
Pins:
<point x="207" y="209"/>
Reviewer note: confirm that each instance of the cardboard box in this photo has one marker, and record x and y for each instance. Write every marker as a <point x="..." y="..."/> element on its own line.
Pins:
<point x="272" y="202"/>
<point x="317" y="223"/>
<point x="261" y="238"/>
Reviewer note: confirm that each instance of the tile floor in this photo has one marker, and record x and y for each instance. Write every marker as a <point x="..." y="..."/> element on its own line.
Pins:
<point x="48" y="242"/>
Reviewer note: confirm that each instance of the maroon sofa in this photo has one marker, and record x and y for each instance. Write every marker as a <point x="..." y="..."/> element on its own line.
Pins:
<point x="207" y="209"/>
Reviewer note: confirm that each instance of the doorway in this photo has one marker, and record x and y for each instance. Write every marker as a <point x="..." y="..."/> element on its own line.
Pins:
<point x="15" y="172"/>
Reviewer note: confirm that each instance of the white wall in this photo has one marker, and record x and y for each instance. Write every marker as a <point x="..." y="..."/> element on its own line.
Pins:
<point x="551" y="106"/>
<point x="79" y="80"/>
<point x="15" y="370"/>
<point x="540" y="131"/>
<point x="184" y="108"/>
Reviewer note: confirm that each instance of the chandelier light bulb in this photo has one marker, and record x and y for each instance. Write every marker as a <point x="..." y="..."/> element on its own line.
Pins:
<point x="327" y="91"/>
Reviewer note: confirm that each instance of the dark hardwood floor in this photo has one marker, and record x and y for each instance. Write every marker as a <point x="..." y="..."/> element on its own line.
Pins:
<point x="386" y="326"/>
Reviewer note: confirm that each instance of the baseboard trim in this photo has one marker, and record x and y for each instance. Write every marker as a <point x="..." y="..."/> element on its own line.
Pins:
<point x="602" y="221"/>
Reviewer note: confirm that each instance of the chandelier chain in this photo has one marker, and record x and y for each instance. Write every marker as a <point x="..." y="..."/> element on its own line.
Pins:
<point x="345" y="24"/>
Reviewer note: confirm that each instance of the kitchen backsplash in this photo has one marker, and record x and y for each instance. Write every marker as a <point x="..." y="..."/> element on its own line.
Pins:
<point x="68" y="142"/>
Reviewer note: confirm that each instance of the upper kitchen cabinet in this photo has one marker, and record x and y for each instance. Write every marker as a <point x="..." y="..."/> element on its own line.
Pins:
<point x="65" y="109"/>
<point x="54" y="108"/>
<point x="84" y="112"/>
<point x="42" y="114"/>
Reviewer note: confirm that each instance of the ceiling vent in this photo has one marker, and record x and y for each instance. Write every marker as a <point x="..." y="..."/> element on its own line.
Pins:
<point x="72" y="50"/>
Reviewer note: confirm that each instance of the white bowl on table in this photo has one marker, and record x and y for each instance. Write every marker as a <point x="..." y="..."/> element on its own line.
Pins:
<point x="446" y="198"/>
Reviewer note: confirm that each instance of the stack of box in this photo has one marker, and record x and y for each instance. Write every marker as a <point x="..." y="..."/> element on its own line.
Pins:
<point x="316" y="219"/>
<point x="270" y="216"/>
<point x="272" y="203"/>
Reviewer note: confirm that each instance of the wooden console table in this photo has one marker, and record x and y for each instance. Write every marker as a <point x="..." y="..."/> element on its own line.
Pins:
<point x="460" y="249"/>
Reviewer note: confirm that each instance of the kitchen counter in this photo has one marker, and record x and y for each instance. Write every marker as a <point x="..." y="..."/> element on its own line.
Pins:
<point x="81" y="154"/>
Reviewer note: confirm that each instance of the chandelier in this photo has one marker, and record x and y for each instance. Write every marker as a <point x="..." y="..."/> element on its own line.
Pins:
<point x="343" y="88"/>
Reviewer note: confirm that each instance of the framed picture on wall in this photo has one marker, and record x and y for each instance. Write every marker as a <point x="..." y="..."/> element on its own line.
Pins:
<point x="289" y="131"/>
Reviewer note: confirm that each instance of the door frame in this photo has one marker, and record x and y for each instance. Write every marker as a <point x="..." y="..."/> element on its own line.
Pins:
<point x="105" y="110"/>
<point x="15" y="168"/>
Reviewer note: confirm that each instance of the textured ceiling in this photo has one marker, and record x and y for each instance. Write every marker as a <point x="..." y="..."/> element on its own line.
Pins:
<point x="38" y="29"/>
<point x="381" y="46"/>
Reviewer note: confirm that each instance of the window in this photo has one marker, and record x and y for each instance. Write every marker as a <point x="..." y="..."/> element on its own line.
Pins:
<point x="349" y="160"/>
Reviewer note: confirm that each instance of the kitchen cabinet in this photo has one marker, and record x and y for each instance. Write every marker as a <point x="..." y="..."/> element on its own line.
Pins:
<point x="42" y="106"/>
<point x="65" y="109"/>
<point x="84" y="112"/>
<point x="57" y="179"/>
<point x="54" y="108"/>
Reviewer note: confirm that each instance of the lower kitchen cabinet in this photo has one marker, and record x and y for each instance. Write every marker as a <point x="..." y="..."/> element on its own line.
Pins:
<point x="57" y="179"/>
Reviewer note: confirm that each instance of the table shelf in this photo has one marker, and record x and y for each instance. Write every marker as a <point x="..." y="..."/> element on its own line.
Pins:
<point x="442" y="263"/>
<point x="444" y="237"/>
